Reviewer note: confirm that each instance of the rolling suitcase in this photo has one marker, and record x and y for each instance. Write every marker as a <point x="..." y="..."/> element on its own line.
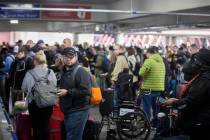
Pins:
<point x="23" y="121"/>
<point x="92" y="129"/>
<point x="106" y="106"/>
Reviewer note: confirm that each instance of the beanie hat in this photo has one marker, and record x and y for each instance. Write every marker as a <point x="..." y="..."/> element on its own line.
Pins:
<point x="203" y="56"/>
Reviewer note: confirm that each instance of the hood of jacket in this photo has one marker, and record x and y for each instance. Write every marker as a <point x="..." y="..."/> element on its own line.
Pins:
<point x="157" y="58"/>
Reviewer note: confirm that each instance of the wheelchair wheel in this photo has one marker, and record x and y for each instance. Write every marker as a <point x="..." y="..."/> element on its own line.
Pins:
<point x="133" y="125"/>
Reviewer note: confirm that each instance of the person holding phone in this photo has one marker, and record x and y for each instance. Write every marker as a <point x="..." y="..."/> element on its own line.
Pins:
<point x="74" y="95"/>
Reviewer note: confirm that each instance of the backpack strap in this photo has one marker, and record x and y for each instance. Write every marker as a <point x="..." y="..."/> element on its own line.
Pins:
<point x="190" y="82"/>
<point x="130" y="65"/>
<point x="48" y="73"/>
<point x="73" y="75"/>
<point x="12" y="57"/>
<point x="33" y="75"/>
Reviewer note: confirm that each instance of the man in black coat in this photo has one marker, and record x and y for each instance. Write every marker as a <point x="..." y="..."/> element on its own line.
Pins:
<point x="195" y="106"/>
<point x="19" y="67"/>
<point x="74" y="95"/>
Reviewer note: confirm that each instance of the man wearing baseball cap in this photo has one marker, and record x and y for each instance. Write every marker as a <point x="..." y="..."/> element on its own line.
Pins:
<point x="40" y="45"/>
<point x="74" y="94"/>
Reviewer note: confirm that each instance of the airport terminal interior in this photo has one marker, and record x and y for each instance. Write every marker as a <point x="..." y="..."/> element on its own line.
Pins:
<point x="104" y="70"/>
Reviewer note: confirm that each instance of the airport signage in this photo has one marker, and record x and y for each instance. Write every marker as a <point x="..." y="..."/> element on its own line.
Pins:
<point x="66" y="15"/>
<point x="19" y="14"/>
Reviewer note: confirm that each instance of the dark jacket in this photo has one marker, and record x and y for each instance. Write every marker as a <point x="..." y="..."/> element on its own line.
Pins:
<point x="36" y="48"/>
<point x="195" y="107"/>
<point x="18" y="71"/>
<point x="78" y="94"/>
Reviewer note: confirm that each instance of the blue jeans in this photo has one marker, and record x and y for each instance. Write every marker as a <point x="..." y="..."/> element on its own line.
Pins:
<point x="101" y="82"/>
<point x="116" y="92"/>
<point x="150" y="101"/>
<point x="75" y="124"/>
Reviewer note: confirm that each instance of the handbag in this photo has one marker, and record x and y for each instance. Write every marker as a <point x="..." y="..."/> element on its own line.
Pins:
<point x="182" y="88"/>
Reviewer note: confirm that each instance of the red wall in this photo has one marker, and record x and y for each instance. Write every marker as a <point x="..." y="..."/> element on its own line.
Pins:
<point x="4" y="37"/>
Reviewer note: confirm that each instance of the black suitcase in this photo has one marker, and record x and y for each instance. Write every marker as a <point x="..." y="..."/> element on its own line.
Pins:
<point x="106" y="106"/>
<point x="92" y="130"/>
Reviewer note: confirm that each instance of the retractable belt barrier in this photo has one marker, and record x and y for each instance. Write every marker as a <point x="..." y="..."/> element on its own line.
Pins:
<point x="5" y="116"/>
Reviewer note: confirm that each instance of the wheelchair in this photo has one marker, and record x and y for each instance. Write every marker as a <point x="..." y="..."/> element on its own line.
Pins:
<point x="127" y="121"/>
<point x="167" y="118"/>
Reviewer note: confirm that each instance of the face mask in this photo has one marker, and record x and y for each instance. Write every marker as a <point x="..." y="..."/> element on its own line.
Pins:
<point x="191" y="69"/>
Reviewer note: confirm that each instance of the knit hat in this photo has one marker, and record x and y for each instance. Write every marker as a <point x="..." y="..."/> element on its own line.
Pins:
<point x="203" y="56"/>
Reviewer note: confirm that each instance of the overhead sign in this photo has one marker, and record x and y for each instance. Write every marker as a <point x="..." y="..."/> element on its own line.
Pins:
<point x="70" y="15"/>
<point x="19" y="14"/>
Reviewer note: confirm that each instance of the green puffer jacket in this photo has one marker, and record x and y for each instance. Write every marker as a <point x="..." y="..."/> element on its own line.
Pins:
<point x="153" y="72"/>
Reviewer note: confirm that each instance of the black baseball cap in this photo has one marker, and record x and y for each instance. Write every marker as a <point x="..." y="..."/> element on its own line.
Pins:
<point x="69" y="51"/>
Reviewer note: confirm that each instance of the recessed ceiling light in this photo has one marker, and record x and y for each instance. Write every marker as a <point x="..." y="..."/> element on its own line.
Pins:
<point x="14" y="21"/>
<point x="97" y="28"/>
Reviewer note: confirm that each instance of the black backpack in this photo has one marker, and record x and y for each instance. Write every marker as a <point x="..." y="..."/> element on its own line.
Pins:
<point x="105" y="64"/>
<point x="126" y="89"/>
<point x="136" y="69"/>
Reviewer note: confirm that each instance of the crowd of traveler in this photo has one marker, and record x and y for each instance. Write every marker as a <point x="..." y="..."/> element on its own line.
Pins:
<point x="155" y="71"/>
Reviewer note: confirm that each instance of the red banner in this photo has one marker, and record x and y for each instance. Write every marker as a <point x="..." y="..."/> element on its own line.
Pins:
<point x="66" y="14"/>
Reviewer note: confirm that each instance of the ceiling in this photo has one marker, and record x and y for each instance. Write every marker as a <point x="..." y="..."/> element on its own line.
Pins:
<point x="141" y="22"/>
<point x="158" y="22"/>
<point x="64" y="1"/>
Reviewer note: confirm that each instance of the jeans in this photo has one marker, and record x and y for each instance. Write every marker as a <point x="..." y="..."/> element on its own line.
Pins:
<point x="101" y="82"/>
<point x="116" y="99"/>
<point x="75" y="124"/>
<point x="2" y="89"/>
<point x="149" y="100"/>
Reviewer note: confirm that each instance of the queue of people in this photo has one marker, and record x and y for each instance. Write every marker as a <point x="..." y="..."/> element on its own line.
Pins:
<point x="72" y="67"/>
